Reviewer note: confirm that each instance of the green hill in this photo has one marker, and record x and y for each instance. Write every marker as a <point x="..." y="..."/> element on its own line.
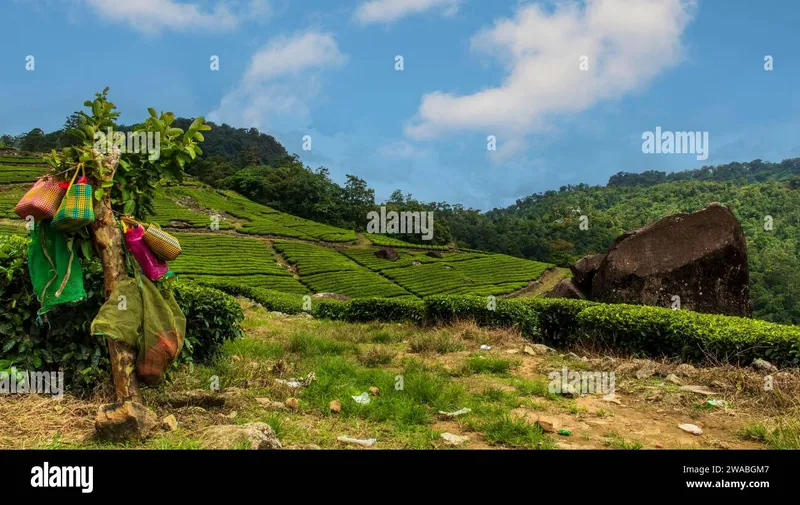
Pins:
<point x="227" y="238"/>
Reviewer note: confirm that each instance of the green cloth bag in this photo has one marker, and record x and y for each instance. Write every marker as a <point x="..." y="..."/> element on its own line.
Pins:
<point x="54" y="268"/>
<point x="120" y="318"/>
<point x="164" y="328"/>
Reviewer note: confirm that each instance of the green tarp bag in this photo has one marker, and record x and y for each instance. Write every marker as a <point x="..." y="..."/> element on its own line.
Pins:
<point x="144" y="317"/>
<point x="164" y="328"/>
<point x="120" y="318"/>
<point x="54" y="268"/>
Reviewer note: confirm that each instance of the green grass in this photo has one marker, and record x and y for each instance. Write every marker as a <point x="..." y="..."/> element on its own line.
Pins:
<point x="615" y="441"/>
<point x="786" y="436"/>
<point x="438" y="342"/>
<point x="376" y="356"/>
<point x="487" y="364"/>
<point x="306" y="344"/>
<point x="509" y="432"/>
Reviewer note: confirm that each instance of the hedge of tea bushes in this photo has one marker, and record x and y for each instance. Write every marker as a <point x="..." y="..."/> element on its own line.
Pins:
<point x="641" y="330"/>
<point x="61" y="341"/>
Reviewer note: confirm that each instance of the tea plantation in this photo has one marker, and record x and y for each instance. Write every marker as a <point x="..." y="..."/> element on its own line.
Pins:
<point x="229" y="239"/>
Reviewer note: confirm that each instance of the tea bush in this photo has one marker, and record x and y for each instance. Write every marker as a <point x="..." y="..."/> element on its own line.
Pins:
<point x="61" y="339"/>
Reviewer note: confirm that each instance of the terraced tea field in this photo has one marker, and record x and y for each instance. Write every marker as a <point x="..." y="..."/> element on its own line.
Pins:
<point x="215" y="257"/>
<point x="18" y="169"/>
<point x="239" y="251"/>
<point x="454" y="273"/>
<point x="327" y="271"/>
<point x="386" y="241"/>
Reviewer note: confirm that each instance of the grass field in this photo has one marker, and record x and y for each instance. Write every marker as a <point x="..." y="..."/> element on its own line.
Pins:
<point x="421" y="374"/>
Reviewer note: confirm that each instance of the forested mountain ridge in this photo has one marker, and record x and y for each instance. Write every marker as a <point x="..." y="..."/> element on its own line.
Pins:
<point x="545" y="226"/>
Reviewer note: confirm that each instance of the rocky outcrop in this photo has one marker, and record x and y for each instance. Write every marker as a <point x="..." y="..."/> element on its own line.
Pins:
<point x="387" y="253"/>
<point x="434" y="254"/>
<point x="567" y="288"/>
<point x="583" y="271"/>
<point x="696" y="261"/>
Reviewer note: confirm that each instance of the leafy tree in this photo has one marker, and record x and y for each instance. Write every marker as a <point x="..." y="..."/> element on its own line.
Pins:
<point x="124" y="183"/>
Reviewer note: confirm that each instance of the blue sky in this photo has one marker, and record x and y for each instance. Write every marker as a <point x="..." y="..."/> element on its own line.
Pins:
<point x="471" y="69"/>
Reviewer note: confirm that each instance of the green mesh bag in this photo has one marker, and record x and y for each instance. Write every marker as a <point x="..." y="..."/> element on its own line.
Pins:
<point x="120" y="318"/>
<point x="164" y="327"/>
<point x="54" y="268"/>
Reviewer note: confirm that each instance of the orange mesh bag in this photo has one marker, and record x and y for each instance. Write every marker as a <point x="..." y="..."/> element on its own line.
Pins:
<point x="42" y="200"/>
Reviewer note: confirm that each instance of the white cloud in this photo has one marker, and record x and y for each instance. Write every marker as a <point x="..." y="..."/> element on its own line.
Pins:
<point x="401" y="149"/>
<point x="628" y="42"/>
<point x="290" y="56"/>
<point x="153" y="16"/>
<point x="281" y="82"/>
<point x="387" y="11"/>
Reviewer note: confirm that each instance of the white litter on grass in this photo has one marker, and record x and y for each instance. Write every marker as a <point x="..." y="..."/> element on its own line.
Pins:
<point x="691" y="428"/>
<point x="295" y="383"/>
<point x="365" y="442"/>
<point x="457" y="413"/>
<point x="362" y="399"/>
<point x="485" y="347"/>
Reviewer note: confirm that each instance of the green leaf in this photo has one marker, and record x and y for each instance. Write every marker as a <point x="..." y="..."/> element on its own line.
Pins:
<point x="152" y="112"/>
<point x="86" y="249"/>
<point x="99" y="193"/>
<point x="130" y="207"/>
<point x="174" y="132"/>
<point x="199" y="137"/>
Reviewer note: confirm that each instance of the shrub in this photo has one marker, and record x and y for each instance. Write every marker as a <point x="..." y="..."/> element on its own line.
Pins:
<point x="61" y="340"/>
<point x="692" y="336"/>
<point x="506" y="313"/>
<point x="270" y="300"/>
<point x="212" y="318"/>
<point x="557" y="318"/>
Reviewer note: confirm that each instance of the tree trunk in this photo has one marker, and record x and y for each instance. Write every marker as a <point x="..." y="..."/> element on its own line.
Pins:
<point x="107" y="239"/>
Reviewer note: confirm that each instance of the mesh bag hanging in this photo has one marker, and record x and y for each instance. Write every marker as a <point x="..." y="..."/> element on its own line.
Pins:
<point x="163" y="245"/>
<point x="154" y="268"/>
<point x="76" y="210"/>
<point x="164" y="327"/>
<point x="120" y="318"/>
<point x="42" y="200"/>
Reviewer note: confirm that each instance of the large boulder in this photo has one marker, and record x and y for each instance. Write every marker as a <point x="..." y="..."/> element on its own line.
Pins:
<point x="387" y="253"/>
<point x="699" y="257"/>
<point x="566" y="289"/>
<point x="583" y="271"/>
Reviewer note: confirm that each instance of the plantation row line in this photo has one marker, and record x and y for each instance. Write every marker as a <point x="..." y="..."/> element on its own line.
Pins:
<point x="640" y="330"/>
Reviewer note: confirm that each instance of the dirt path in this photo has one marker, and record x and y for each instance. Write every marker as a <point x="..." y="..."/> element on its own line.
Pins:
<point x="543" y="284"/>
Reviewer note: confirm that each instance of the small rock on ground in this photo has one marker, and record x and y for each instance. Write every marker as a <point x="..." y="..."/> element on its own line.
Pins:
<point x="335" y="406"/>
<point x="537" y="349"/>
<point x="685" y="370"/>
<point x="256" y="435"/>
<point x="547" y="424"/>
<point x="124" y="421"/>
<point x="674" y="379"/>
<point x="374" y="391"/>
<point x="454" y="439"/>
<point x="764" y="365"/>
<point x="293" y="403"/>
<point x="169" y="423"/>
<point x="647" y="370"/>
<point x="701" y="390"/>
